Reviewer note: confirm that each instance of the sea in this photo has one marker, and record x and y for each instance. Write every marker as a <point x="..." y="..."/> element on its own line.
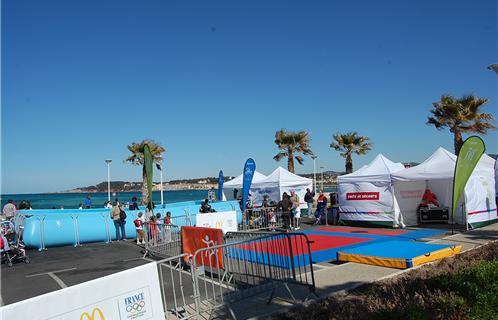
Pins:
<point x="73" y="200"/>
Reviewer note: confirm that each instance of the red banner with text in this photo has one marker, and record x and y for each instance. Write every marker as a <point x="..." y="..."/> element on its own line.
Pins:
<point x="362" y="196"/>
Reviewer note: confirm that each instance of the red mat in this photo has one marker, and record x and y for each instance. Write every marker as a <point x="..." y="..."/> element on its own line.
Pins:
<point x="320" y="242"/>
<point x="363" y="231"/>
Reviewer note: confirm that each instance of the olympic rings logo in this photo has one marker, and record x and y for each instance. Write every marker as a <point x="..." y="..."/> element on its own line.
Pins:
<point x="95" y="311"/>
<point x="136" y="307"/>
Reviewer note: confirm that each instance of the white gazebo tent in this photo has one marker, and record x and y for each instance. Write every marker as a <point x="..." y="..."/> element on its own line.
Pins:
<point x="278" y="182"/>
<point x="366" y="196"/>
<point x="236" y="183"/>
<point x="477" y="206"/>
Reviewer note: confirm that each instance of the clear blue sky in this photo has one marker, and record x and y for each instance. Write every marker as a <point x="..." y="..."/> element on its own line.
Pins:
<point x="213" y="80"/>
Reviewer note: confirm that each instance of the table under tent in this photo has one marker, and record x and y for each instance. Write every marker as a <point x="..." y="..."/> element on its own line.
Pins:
<point x="477" y="205"/>
<point x="366" y="196"/>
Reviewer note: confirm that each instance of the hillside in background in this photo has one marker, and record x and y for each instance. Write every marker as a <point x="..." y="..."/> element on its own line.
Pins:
<point x="184" y="184"/>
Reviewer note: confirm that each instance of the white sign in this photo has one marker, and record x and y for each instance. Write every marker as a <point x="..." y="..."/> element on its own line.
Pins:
<point x="227" y="221"/>
<point x="133" y="294"/>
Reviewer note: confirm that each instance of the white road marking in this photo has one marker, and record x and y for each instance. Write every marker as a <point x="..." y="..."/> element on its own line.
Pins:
<point x="44" y="273"/>
<point x="57" y="279"/>
<point x="52" y="274"/>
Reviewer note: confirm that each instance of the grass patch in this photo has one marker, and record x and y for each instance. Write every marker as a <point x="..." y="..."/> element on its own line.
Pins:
<point x="459" y="287"/>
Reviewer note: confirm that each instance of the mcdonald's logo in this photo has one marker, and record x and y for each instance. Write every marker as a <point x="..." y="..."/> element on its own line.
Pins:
<point x="219" y="224"/>
<point x="93" y="316"/>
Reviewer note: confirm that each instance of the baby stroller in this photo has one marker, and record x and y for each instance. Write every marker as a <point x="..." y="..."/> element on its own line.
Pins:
<point x="11" y="248"/>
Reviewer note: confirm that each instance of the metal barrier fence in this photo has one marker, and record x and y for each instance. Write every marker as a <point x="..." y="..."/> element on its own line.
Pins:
<point x="262" y="219"/>
<point x="161" y="240"/>
<point x="221" y="275"/>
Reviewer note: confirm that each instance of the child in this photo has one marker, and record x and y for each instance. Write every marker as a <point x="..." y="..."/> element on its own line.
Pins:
<point x="139" y="226"/>
<point x="167" y="219"/>
<point x="154" y="230"/>
<point x="273" y="219"/>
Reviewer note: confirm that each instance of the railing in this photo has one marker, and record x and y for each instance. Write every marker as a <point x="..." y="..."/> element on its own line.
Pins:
<point x="161" y="240"/>
<point x="222" y="275"/>
<point x="262" y="219"/>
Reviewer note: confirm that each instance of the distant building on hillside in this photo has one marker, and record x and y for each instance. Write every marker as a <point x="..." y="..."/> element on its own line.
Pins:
<point x="410" y="164"/>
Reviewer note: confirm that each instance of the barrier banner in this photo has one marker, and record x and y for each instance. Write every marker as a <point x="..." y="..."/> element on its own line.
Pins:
<point x="226" y="221"/>
<point x="249" y="168"/>
<point x="468" y="157"/>
<point x="195" y="238"/>
<point x="133" y="294"/>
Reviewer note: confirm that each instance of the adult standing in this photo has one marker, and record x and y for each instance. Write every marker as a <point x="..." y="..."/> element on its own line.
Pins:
<point x="134" y="204"/>
<point x="308" y="198"/>
<point x="116" y="218"/>
<point x="321" y="207"/>
<point x="122" y="218"/>
<point x="296" y="213"/>
<point x="87" y="203"/>
<point x="285" y="205"/>
<point x="9" y="210"/>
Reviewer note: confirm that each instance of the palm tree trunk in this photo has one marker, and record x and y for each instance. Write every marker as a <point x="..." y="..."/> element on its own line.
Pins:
<point x="145" y="191"/>
<point x="349" y="163"/>
<point x="290" y="162"/>
<point x="457" y="140"/>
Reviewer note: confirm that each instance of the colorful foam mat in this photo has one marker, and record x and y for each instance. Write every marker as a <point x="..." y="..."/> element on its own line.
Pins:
<point x="398" y="254"/>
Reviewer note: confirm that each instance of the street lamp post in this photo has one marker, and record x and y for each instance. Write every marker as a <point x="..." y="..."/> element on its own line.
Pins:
<point x="314" y="172"/>
<point x="108" y="161"/>
<point x="321" y="176"/>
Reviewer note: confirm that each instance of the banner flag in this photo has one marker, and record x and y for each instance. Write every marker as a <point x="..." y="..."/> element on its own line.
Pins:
<point x="148" y="167"/>
<point x="249" y="169"/>
<point x="220" y="186"/>
<point x="468" y="157"/>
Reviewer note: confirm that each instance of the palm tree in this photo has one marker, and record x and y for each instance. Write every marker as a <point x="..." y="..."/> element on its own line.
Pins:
<point x="137" y="158"/>
<point x="460" y="116"/>
<point x="291" y="143"/>
<point x="349" y="143"/>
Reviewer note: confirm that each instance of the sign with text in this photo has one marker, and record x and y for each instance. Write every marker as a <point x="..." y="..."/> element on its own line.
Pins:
<point x="133" y="294"/>
<point x="362" y="196"/>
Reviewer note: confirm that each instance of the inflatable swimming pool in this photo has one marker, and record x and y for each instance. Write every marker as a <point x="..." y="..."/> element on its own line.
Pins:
<point x="49" y="228"/>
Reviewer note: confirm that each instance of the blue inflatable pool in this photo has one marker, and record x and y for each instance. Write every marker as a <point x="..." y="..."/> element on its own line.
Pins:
<point x="48" y="228"/>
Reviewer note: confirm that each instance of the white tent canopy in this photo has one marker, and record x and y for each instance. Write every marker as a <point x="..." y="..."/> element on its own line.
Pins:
<point x="366" y="195"/>
<point x="440" y="165"/>
<point x="236" y="183"/>
<point x="477" y="206"/>
<point x="278" y="182"/>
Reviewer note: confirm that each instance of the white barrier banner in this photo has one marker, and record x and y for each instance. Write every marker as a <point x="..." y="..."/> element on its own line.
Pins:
<point x="226" y="221"/>
<point x="133" y="294"/>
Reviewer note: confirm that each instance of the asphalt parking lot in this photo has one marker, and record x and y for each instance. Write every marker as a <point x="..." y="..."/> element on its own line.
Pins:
<point x="59" y="267"/>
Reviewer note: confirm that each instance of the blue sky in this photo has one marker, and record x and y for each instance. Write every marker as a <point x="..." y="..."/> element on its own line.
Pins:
<point x="213" y="80"/>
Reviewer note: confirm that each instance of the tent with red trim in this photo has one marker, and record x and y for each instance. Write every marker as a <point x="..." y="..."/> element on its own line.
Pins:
<point x="476" y="208"/>
<point x="366" y="196"/>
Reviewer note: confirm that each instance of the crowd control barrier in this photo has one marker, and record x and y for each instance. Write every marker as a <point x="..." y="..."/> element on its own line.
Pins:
<point x="262" y="219"/>
<point x="44" y="228"/>
<point x="207" y="284"/>
<point x="214" y="282"/>
<point x="161" y="240"/>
